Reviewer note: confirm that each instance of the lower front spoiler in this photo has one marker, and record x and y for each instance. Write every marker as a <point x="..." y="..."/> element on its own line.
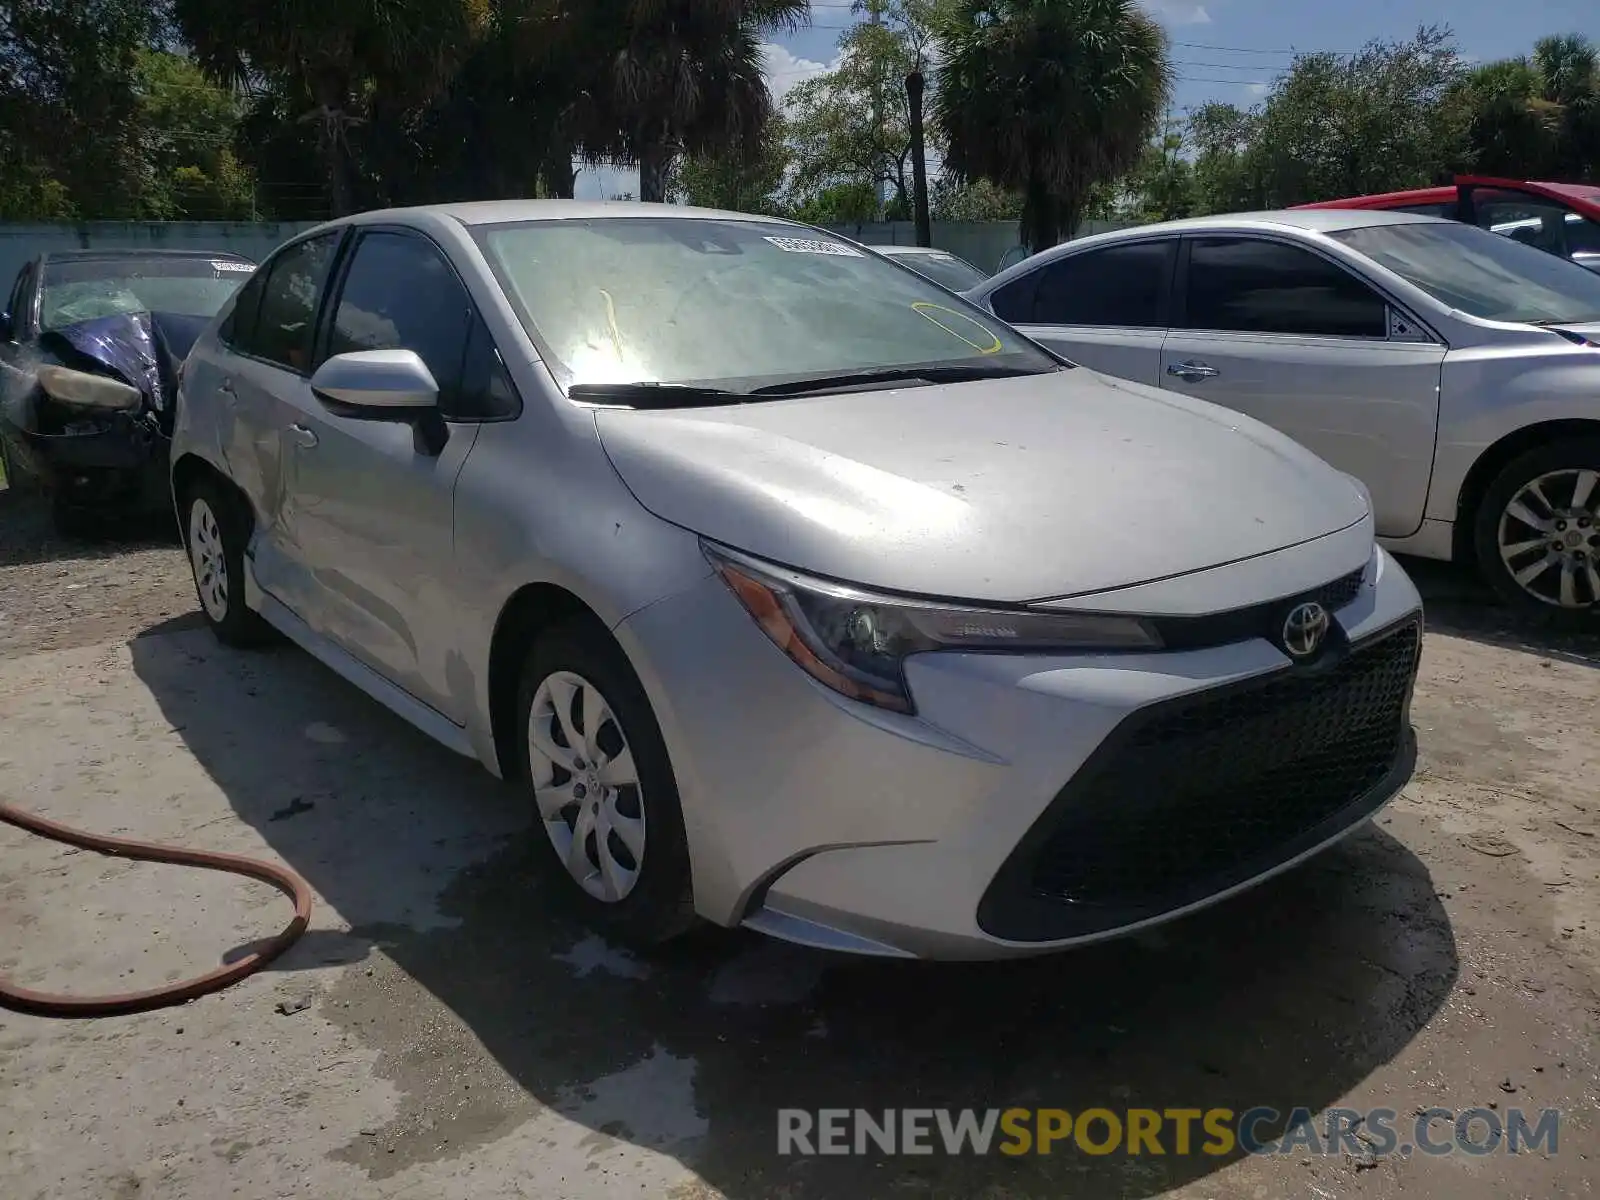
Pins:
<point x="123" y="465"/>
<point x="824" y="930"/>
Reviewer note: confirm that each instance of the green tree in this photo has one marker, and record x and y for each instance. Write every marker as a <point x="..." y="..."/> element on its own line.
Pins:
<point x="852" y="125"/>
<point x="69" y="134"/>
<point x="1161" y="186"/>
<point x="331" y="63"/>
<point x="730" y="181"/>
<point x="678" y="79"/>
<point x="188" y="126"/>
<point x="1383" y="119"/>
<point x="1049" y="98"/>
<point x="979" y="200"/>
<point x="839" y="204"/>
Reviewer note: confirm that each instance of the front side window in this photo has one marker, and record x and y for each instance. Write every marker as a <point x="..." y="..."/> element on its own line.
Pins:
<point x="1253" y="285"/>
<point x="87" y="289"/>
<point x="1480" y="273"/>
<point x="286" y="319"/>
<point x="1118" y="286"/>
<point x="731" y="304"/>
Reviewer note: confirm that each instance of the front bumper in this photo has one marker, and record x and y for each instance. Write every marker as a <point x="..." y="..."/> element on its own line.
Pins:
<point x="1034" y="802"/>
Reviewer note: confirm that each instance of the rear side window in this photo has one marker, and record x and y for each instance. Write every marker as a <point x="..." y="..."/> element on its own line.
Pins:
<point x="1251" y="285"/>
<point x="400" y="293"/>
<point x="286" y="317"/>
<point x="1118" y="286"/>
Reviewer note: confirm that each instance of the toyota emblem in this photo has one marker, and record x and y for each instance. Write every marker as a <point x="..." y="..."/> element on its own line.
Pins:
<point x="1304" y="629"/>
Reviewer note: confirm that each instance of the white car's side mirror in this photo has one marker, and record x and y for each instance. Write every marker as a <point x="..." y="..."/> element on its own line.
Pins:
<point x="392" y="385"/>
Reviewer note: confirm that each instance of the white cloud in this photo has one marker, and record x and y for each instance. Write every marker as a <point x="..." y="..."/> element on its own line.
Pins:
<point x="785" y="69"/>
<point x="1177" y="12"/>
<point x="1258" y="89"/>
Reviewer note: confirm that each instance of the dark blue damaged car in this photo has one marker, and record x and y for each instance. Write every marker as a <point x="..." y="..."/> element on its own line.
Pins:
<point x="91" y="343"/>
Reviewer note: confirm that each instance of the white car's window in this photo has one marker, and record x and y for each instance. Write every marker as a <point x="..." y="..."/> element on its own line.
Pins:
<point x="1252" y="285"/>
<point x="1481" y="273"/>
<point x="947" y="270"/>
<point x="1124" y="286"/>
<point x="730" y="303"/>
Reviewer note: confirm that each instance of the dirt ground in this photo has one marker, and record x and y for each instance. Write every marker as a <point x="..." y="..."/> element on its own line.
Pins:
<point x="442" y="1033"/>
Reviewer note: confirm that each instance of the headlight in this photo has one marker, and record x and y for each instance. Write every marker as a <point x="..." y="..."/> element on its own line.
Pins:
<point x="856" y="643"/>
<point x="88" y="391"/>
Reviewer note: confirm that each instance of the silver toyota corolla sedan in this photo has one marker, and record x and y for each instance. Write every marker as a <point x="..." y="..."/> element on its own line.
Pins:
<point x="792" y="590"/>
<point x="1454" y="371"/>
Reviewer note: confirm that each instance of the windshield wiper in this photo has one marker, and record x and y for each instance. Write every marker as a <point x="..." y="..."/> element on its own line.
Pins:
<point x="649" y="394"/>
<point x="962" y="373"/>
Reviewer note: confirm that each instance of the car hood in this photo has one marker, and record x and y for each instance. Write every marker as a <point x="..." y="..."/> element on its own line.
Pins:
<point x="1006" y="490"/>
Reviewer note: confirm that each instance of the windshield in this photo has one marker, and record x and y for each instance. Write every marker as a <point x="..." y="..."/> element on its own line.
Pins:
<point x="731" y="304"/>
<point x="957" y="274"/>
<point x="82" y="291"/>
<point x="1481" y="273"/>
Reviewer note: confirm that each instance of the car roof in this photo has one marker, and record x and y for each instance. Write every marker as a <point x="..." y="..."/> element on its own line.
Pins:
<point x="494" y="212"/>
<point x="1431" y="195"/>
<point x="1312" y="220"/>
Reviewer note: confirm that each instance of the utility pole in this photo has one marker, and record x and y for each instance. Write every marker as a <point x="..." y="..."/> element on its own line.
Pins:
<point x="919" y="163"/>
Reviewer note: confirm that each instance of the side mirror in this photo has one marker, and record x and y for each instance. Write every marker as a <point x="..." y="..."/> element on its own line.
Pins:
<point x="384" y="385"/>
<point x="381" y="385"/>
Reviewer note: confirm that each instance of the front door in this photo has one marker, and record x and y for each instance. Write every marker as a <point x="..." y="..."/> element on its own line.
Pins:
<point x="1543" y="222"/>
<point x="373" y="508"/>
<point x="1105" y="309"/>
<point x="1277" y="331"/>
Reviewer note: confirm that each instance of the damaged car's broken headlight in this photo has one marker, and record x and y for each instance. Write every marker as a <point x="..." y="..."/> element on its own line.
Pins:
<point x="83" y="390"/>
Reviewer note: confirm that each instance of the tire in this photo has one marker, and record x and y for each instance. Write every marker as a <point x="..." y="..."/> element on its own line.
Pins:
<point x="643" y="898"/>
<point x="1514" y="532"/>
<point x="214" y="536"/>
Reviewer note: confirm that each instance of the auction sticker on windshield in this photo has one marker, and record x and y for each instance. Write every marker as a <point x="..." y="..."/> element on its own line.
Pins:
<point x="814" y="246"/>
<point x="219" y="265"/>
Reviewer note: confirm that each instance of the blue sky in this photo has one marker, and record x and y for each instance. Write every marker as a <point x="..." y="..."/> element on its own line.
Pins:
<point x="1231" y="49"/>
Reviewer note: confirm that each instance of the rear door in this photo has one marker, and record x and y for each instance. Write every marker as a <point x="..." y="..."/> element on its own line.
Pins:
<point x="259" y="381"/>
<point x="1275" y="329"/>
<point x="1105" y="308"/>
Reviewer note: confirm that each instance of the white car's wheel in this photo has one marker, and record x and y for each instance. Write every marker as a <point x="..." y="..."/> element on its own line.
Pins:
<point x="1538" y="531"/>
<point x="603" y="792"/>
<point x="214" y="536"/>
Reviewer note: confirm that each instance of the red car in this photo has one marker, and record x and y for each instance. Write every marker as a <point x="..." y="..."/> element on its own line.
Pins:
<point x="1562" y="218"/>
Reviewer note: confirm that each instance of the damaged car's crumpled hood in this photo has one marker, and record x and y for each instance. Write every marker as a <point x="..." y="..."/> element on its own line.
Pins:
<point x="141" y="348"/>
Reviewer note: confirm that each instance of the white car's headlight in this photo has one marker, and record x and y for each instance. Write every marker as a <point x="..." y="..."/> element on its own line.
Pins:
<point x="83" y="390"/>
<point x="856" y="642"/>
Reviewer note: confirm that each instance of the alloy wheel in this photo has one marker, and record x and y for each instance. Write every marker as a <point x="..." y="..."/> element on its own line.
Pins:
<point x="208" y="560"/>
<point x="586" y="786"/>
<point x="1549" y="538"/>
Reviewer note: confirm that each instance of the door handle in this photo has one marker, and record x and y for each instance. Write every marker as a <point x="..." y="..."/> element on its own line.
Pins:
<point x="303" y="437"/>
<point x="226" y="388"/>
<point x="1192" y="372"/>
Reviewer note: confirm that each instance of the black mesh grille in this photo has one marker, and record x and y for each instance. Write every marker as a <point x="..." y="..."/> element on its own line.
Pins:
<point x="1340" y="592"/>
<point x="1204" y="793"/>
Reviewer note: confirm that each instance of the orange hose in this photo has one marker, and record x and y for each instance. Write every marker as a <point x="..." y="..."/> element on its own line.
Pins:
<point x="286" y="881"/>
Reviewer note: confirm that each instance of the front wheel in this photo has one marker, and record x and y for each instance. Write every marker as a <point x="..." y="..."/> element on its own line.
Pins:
<point x="603" y="789"/>
<point x="214" y="534"/>
<point x="1537" y="532"/>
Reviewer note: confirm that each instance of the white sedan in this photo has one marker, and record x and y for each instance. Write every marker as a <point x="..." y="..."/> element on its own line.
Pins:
<point x="1454" y="372"/>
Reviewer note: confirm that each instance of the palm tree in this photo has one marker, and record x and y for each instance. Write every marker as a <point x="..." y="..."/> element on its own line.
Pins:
<point x="682" y="77"/>
<point x="1050" y="98"/>
<point x="331" y="59"/>
<point x="1568" y="68"/>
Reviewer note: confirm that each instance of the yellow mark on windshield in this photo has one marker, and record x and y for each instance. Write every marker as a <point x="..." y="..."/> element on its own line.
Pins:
<point x="611" y="322"/>
<point x="927" y="309"/>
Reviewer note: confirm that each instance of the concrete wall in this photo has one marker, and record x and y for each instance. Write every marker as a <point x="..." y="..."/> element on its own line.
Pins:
<point x="19" y="243"/>
<point x="983" y="243"/>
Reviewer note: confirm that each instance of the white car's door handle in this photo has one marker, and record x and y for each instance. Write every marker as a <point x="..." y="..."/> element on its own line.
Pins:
<point x="303" y="437"/>
<point x="1191" y="372"/>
